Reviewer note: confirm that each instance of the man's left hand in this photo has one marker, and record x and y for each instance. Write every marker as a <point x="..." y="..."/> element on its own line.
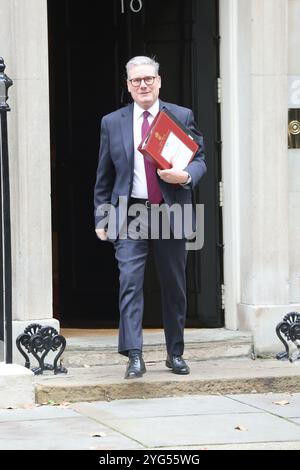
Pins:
<point x="173" y="176"/>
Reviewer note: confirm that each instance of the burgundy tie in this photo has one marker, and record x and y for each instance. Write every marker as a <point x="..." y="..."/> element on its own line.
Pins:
<point x="154" y="192"/>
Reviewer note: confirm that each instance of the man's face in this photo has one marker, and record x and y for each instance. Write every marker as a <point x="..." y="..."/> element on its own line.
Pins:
<point x="144" y="95"/>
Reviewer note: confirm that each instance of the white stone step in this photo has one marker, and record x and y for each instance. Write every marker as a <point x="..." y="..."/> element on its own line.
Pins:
<point x="200" y="344"/>
<point x="222" y="376"/>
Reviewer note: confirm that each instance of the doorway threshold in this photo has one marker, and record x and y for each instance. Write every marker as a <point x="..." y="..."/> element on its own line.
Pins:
<point x="82" y="332"/>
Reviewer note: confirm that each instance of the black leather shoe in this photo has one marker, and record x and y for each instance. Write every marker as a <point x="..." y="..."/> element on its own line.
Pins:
<point x="178" y="365"/>
<point x="135" y="367"/>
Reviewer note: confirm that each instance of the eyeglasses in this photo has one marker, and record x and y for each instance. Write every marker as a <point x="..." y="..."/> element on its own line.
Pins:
<point x="136" y="82"/>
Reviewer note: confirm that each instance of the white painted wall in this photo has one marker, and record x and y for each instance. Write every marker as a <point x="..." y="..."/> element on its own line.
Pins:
<point x="294" y="158"/>
<point x="24" y="47"/>
<point x="257" y="207"/>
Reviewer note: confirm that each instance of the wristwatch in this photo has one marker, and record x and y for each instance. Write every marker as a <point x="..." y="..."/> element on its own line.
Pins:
<point x="188" y="181"/>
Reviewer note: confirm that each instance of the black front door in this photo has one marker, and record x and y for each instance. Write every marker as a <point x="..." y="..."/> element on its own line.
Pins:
<point x="89" y="45"/>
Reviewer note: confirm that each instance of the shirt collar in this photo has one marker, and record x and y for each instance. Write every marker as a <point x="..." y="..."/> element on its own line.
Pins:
<point x="138" y="111"/>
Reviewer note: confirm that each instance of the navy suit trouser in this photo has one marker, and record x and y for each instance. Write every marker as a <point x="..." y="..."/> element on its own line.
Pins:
<point x="170" y="258"/>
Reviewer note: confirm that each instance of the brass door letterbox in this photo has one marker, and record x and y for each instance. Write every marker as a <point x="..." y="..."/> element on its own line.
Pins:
<point x="294" y="128"/>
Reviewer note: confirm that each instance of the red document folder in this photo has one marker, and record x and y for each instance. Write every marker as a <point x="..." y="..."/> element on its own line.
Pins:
<point x="168" y="143"/>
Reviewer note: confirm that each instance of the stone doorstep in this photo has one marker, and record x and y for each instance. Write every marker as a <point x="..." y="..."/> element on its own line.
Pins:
<point x="109" y="356"/>
<point x="199" y="345"/>
<point x="231" y="376"/>
<point x="16" y="386"/>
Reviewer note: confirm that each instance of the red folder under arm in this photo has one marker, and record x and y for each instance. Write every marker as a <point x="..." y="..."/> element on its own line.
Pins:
<point x="168" y="143"/>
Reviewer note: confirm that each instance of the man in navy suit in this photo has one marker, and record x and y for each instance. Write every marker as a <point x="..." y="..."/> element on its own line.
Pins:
<point x="124" y="174"/>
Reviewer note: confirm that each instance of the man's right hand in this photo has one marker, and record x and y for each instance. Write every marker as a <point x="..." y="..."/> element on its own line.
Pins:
<point x="101" y="233"/>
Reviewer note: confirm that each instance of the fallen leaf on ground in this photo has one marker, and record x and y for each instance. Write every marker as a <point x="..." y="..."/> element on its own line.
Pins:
<point x="98" y="434"/>
<point x="281" y="402"/>
<point x="241" y="428"/>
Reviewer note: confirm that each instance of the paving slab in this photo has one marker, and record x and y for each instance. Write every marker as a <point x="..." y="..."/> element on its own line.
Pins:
<point x="266" y="403"/>
<point x="252" y="446"/>
<point x="185" y="423"/>
<point x="61" y="434"/>
<point x="297" y="420"/>
<point x="161" y="407"/>
<point x="206" y="429"/>
<point x="37" y="413"/>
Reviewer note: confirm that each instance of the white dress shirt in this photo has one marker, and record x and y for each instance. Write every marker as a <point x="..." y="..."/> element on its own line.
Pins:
<point x="139" y="188"/>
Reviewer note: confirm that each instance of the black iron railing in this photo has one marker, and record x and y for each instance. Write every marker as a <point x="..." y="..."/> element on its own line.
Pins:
<point x="5" y="236"/>
<point x="288" y="331"/>
<point x="39" y="341"/>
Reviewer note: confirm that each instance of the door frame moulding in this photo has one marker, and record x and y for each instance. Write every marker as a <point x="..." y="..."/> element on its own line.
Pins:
<point x="228" y="14"/>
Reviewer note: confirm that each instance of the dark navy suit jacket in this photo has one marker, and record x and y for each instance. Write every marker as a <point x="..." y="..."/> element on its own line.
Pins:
<point x="116" y="160"/>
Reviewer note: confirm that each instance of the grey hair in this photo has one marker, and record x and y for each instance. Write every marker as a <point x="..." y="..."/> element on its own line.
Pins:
<point x="141" y="60"/>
